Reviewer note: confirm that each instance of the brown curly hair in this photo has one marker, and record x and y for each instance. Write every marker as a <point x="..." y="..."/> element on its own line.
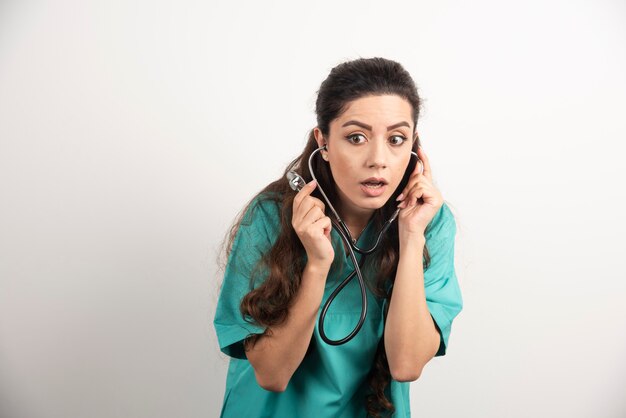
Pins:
<point x="268" y="304"/>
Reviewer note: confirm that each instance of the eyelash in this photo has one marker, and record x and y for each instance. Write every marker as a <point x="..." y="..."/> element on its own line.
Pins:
<point x="349" y="139"/>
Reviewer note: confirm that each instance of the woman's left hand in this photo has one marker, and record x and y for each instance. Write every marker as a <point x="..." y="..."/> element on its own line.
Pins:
<point x="420" y="200"/>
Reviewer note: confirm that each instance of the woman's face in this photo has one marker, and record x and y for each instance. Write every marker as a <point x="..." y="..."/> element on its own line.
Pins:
<point x="369" y="149"/>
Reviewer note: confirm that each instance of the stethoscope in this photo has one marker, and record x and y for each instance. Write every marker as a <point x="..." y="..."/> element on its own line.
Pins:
<point x="297" y="183"/>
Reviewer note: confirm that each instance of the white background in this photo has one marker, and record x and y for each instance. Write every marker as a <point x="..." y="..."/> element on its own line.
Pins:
<point x="131" y="134"/>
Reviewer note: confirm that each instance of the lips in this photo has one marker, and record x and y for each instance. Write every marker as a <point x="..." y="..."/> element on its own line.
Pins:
<point x="374" y="181"/>
<point x="374" y="186"/>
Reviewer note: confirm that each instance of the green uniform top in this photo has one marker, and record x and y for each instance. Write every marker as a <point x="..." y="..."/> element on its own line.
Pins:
<point x="331" y="381"/>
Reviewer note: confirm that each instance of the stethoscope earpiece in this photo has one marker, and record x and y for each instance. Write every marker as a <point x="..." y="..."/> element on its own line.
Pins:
<point x="325" y="153"/>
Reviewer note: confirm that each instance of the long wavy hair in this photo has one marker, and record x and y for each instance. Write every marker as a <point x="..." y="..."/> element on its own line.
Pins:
<point x="268" y="304"/>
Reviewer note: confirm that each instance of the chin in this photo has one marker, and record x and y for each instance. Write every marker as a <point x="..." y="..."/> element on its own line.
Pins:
<point x="372" y="203"/>
<point x="366" y="203"/>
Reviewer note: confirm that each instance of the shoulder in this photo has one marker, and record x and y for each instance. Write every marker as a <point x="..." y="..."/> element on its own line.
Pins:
<point x="262" y="208"/>
<point x="442" y="226"/>
<point x="253" y="234"/>
<point x="260" y="221"/>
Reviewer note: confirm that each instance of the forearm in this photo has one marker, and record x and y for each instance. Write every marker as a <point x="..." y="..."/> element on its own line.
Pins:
<point x="411" y="338"/>
<point x="275" y="357"/>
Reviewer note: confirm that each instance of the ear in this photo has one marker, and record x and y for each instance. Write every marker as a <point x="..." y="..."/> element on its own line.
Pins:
<point x="319" y="137"/>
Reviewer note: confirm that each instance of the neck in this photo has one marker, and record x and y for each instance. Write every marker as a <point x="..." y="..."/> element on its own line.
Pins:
<point x="355" y="219"/>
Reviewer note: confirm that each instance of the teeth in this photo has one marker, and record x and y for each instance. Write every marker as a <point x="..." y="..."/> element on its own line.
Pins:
<point x="372" y="185"/>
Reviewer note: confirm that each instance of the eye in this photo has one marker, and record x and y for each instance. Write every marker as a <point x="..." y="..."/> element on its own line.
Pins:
<point x="354" y="139"/>
<point x="397" y="140"/>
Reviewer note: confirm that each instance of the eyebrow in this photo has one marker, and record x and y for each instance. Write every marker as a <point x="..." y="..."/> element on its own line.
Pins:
<point x="369" y="128"/>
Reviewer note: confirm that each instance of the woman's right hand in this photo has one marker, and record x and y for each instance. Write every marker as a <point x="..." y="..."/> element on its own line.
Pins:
<point x="312" y="226"/>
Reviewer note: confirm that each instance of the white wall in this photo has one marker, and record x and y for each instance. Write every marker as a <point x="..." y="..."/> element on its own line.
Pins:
<point x="131" y="133"/>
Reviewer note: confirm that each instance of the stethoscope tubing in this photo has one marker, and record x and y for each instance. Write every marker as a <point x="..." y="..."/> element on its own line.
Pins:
<point x="343" y="231"/>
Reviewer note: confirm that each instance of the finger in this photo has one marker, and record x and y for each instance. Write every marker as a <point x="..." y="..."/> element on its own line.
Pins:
<point x="419" y="165"/>
<point x="426" y="162"/>
<point x="414" y="179"/>
<point x="423" y="180"/>
<point x="326" y="224"/>
<point x="322" y="224"/>
<point x="302" y="219"/>
<point x="306" y="205"/>
<point x="414" y="194"/>
<point x="312" y="216"/>
<point x="308" y="200"/>
<point x="304" y="192"/>
<point x="417" y="170"/>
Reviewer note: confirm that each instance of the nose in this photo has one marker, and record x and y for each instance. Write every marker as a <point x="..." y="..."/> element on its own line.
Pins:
<point x="377" y="154"/>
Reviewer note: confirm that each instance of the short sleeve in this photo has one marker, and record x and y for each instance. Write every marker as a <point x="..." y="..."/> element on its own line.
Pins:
<point x="256" y="234"/>
<point x="443" y="295"/>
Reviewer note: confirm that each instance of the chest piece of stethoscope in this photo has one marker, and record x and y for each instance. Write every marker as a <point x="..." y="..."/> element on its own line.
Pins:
<point x="295" y="181"/>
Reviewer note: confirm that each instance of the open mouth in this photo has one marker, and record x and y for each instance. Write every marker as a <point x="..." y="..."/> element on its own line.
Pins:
<point x="373" y="185"/>
<point x="374" y="182"/>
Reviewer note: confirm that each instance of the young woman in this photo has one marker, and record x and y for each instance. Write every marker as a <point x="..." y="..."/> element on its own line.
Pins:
<point x="285" y="260"/>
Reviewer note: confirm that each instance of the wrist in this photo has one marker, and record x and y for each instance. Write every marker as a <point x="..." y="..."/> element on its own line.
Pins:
<point x="317" y="268"/>
<point x="412" y="242"/>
